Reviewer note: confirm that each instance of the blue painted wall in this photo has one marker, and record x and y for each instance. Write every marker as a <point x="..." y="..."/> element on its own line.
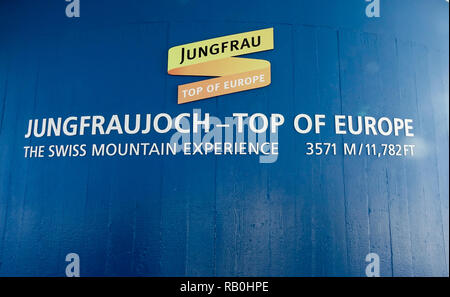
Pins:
<point x="225" y="216"/>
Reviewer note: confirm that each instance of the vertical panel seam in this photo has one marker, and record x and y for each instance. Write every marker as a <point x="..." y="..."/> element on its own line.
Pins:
<point x="342" y="139"/>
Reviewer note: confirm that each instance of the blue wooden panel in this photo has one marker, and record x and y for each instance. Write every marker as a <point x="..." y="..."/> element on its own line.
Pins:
<point x="4" y="66"/>
<point x="375" y="171"/>
<point x="329" y="191"/>
<point x="188" y="191"/>
<point x="128" y="214"/>
<point x="354" y="80"/>
<point x="17" y="100"/>
<point x="414" y="192"/>
<point x="303" y="94"/>
<point x="429" y="170"/>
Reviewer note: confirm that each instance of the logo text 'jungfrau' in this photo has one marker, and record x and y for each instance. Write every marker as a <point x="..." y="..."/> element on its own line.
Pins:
<point x="215" y="57"/>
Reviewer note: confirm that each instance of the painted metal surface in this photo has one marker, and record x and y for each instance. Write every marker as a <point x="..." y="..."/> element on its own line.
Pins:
<point x="224" y="216"/>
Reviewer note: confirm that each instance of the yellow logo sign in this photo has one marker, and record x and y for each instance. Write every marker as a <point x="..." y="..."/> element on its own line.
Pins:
<point x="214" y="57"/>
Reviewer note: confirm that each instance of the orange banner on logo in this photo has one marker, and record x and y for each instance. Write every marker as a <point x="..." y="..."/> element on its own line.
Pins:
<point x="214" y="57"/>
